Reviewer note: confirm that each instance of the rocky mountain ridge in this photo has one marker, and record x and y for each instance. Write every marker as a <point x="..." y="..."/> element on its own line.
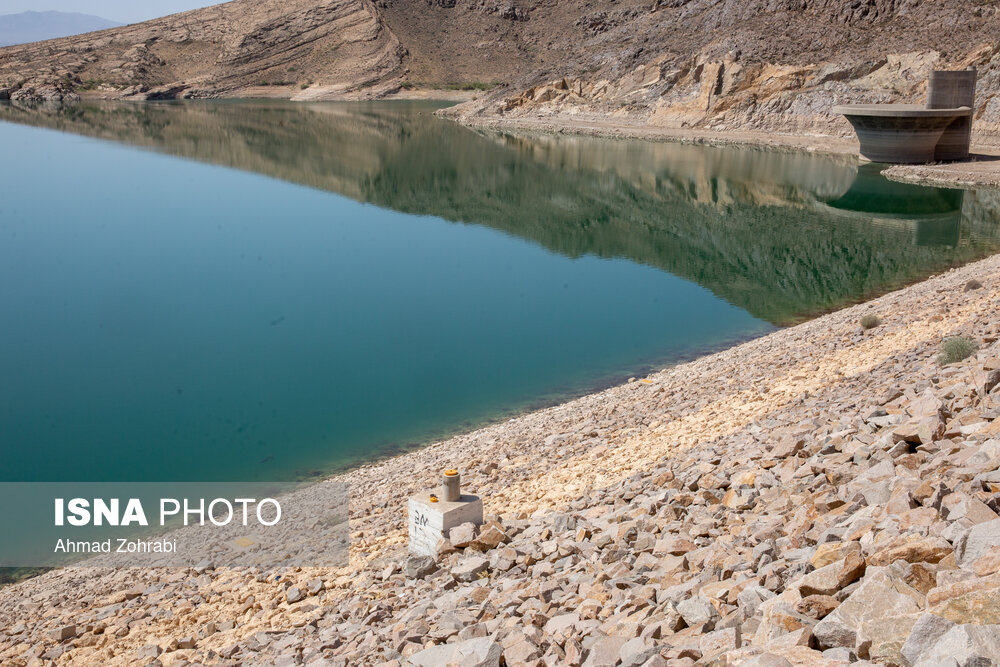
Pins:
<point x="765" y="65"/>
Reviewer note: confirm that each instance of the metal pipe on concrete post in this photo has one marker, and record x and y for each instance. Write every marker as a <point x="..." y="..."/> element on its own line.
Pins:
<point x="451" y="486"/>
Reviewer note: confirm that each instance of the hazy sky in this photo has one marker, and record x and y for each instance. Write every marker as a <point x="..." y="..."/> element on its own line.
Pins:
<point x="124" y="11"/>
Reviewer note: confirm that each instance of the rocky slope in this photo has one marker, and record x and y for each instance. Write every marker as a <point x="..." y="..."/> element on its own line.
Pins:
<point x="765" y="65"/>
<point x="219" y="50"/>
<point x="823" y="496"/>
<point x="306" y="49"/>
<point x="760" y="66"/>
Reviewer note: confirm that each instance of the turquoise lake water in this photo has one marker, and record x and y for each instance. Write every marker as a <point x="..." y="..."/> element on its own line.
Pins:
<point x="264" y="291"/>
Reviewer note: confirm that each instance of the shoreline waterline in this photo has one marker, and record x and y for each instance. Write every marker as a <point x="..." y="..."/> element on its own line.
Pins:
<point x="543" y="461"/>
<point x="432" y="459"/>
<point x="338" y="471"/>
<point x="982" y="170"/>
<point x="501" y="274"/>
<point x="556" y="399"/>
<point x="600" y="386"/>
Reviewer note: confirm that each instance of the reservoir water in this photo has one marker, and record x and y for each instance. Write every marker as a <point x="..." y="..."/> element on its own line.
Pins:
<point x="267" y="290"/>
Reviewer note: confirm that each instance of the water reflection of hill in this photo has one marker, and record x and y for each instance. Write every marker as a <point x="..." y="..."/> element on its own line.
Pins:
<point x="756" y="227"/>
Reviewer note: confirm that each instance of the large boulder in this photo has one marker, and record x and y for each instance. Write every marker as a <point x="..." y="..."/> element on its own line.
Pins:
<point x="471" y="568"/>
<point x="975" y="600"/>
<point x="925" y="633"/>
<point x="605" y="652"/>
<point x="831" y="552"/>
<point x="696" y="611"/>
<point x="478" y="652"/>
<point x="977" y="541"/>
<point x="831" y="578"/>
<point x="879" y="614"/>
<point x="418" y="567"/>
<point x="923" y="550"/>
<point x="964" y="645"/>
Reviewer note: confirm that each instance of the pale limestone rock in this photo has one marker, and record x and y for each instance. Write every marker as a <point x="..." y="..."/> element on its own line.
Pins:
<point x="605" y="652"/>
<point x="462" y="535"/>
<point x="148" y="652"/>
<point x="696" y="611"/>
<point x="751" y="597"/>
<point x="637" y="651"/>
<point x="831" y="552"/>
<point x="503" y="559"/>
<point x="924" y="634"/>
<point x="966" y="645"/>
<point x="766" y="660"/>
<point x="63" y="633"/>
<point x="479" y="652"/>
<point x="720" y="641"/>
<point x="975" y="600"/>
<point x="470" y="568"/>
<point x="880" y="596"/>
<point x="521" y="652"/>
<point x="882" y="640"/>
<point x="418" y="567"/>
<point x="978" y="541"/>
<point x="816" y="606"/>
<point x="489" y="538"/>
<point x="922" y="550"/>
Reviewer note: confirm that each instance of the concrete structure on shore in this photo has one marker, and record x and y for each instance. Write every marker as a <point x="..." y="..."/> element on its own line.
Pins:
<point x="433" y="515"/>
<point x="914" y="134"/>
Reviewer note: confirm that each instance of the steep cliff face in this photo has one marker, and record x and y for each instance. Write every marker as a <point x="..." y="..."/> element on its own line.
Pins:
<point x="766" y="65"/>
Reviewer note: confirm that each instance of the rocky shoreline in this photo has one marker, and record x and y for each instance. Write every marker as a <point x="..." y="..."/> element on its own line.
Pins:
<point x="983" y="170"/>
<point x="824" y="495"/>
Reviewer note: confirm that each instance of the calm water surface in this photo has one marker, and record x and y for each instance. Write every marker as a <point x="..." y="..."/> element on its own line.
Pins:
<point x="243" y="290"/>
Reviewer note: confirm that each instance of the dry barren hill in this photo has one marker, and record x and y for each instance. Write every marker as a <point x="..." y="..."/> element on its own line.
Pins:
<point x="308" y="49"/>
<point x="769" y="65"/>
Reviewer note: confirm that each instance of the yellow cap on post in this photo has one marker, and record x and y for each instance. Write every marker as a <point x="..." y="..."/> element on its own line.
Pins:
<point x="450" y="473"/>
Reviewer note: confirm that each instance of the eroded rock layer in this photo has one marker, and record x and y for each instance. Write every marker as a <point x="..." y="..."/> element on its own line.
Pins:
<point x="322" y="45"/>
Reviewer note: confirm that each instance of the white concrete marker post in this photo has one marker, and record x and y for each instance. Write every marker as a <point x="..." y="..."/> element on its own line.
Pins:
<point x="430" y="520"/>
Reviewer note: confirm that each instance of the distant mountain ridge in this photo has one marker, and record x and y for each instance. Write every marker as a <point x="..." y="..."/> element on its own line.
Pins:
<point x="36" y="26"/>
